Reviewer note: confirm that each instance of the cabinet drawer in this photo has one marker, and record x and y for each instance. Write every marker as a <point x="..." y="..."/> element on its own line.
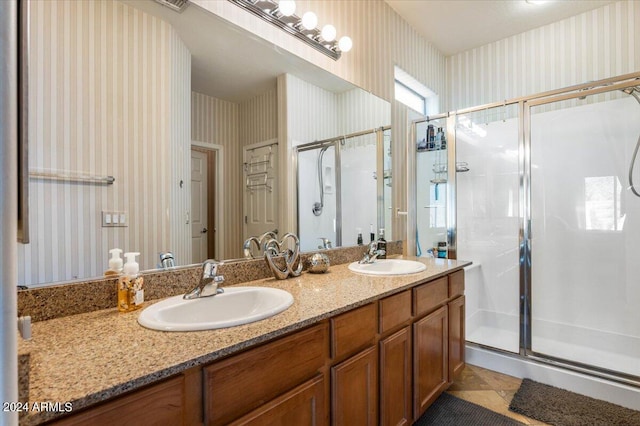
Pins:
<point x="157" y="404"/>
<point x="353" y="331"/>
<point x="430" y="295"/>
<point x="304" y="405"/>
<point x="242" y="383"/>
<point x="456" y="284"/>
<point x="395" y="310"/>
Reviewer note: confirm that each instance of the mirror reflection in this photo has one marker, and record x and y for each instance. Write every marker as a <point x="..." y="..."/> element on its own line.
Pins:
<point x="181" y="110"/>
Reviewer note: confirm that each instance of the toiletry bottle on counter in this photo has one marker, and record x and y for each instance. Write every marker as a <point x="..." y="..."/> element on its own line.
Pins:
<point x="130" y="285"/>
<point x="359" y="231"/>
<point x="382" y="244"/>
<point x="372" y="236"/>
<point x="115" y="263"/>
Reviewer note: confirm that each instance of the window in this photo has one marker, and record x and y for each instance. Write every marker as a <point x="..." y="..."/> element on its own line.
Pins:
<point x="410" y="98"/>
<point x="414" y="94"/>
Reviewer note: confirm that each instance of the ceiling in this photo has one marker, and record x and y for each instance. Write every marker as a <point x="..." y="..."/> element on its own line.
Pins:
<point x="454" y="26"/>
<point x="230" y="63"/>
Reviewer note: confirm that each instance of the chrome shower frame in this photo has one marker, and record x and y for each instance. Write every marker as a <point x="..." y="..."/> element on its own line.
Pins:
<point x="627" y="83"/>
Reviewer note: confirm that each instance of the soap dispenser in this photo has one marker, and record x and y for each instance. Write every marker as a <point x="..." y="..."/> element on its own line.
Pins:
<point x="115" y="263"/>
<point x="382" y="244"/>
<point x="130" y="285"/>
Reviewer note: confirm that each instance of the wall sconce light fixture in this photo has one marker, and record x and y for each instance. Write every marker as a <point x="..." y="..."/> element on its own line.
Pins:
<point x="282" y="14"/>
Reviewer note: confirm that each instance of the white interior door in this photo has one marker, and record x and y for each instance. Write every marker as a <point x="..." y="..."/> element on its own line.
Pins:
<point x="261" y="190"/>
<point x="199" y="214"/>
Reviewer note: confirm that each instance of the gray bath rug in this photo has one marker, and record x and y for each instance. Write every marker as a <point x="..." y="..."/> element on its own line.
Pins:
<point x="448" y="410"/>
<point x="560" y="407"/>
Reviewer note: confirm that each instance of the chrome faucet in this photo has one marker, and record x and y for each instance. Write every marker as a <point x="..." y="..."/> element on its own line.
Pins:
<point x="326" y="243"/>
<point x="373" y="253"/>
<point x="167" y="260"/>
<point x="210" y="281"/>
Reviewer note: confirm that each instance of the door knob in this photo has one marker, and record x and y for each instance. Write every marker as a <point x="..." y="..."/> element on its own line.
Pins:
<point x="204" y="231"/>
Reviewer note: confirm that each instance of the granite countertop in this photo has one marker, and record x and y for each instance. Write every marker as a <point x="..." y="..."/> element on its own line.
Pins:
<point x="87" y="358"/>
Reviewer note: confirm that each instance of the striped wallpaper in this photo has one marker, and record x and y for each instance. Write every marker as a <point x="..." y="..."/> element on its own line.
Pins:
<point x="258" y="118"/>
<point x="179" y="61"/>
<point x="99" y="104"/>
<point x="232" y="126"/>
<point x="311" y="112"/>
<point x="598" y="44"/>
<point x="215" y="121"/>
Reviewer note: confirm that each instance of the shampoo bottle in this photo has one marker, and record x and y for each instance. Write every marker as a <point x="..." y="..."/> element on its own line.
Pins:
<point x="359" y="231"/>
<point x="115" y="263"/>
<point x="130" y="285"/>
<point x="382" y="244"/>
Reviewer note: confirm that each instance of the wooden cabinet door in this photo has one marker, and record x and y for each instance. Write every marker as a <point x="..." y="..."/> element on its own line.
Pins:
<point x="354" y="390"/>
<point x="395" y="378"/>
<point x="303" y="406"/>
<point x="456" y="337"/>
<point x="430" y="359"/>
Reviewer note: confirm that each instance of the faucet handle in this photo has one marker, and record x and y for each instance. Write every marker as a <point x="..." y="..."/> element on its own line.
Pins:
<point x="326" y="243"/>
<point x="210" y="268"/>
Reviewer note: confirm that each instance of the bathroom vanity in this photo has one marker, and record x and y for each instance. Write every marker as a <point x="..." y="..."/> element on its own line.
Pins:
<point x="352" y="349"/>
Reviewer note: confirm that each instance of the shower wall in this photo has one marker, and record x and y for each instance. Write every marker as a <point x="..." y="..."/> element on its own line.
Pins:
<point x="488" y="225"/>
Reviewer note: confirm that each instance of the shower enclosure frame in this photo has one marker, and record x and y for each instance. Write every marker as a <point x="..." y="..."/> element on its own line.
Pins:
<point x="337" y="143"/>
<point x="524" y="105"/>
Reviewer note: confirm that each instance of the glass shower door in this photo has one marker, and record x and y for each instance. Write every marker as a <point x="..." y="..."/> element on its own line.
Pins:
<point x="585" y="233"/>
<point x="488" y="223"/>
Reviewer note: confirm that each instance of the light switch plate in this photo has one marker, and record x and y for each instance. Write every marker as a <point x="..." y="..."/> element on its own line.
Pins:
<point x="113" y="219"/>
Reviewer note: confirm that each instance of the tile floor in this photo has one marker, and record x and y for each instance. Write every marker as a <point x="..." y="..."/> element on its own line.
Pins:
<point x="489" y="389"/>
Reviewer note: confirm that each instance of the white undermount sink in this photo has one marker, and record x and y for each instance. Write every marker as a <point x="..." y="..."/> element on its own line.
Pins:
<point x="388" y="267"/>
<point x="236" y="306"/>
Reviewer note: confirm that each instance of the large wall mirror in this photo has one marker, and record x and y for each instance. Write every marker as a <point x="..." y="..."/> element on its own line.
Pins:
<point x="155" y="131"/>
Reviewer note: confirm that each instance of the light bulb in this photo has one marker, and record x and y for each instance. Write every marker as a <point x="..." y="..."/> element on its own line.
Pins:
<point x="287" y="7"/>
<point x="309" y="20"/>
<point x="345" y="44"/>
<point x="328" y="32"/>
